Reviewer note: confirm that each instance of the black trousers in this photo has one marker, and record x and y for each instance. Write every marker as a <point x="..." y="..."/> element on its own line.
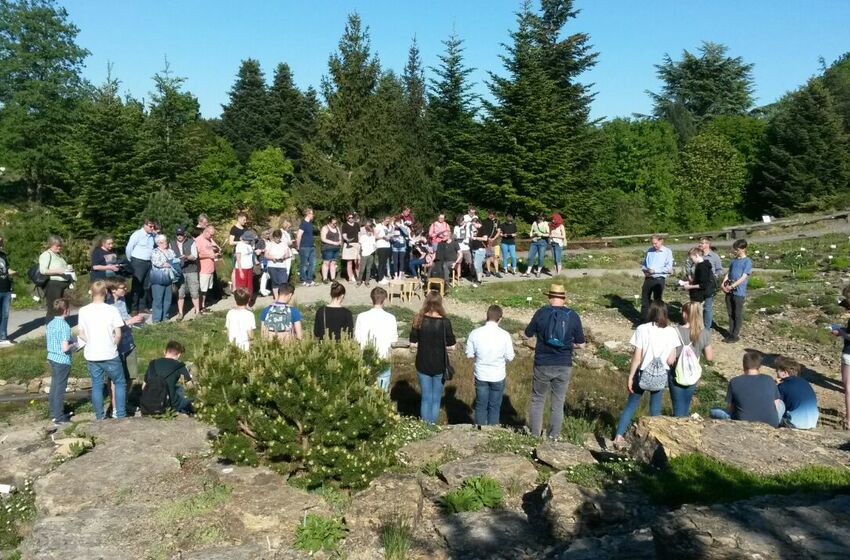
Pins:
<point x="735" y="309"/>
<point x="55" y="289"/>
<point x="140" y="298"/>
<point x="384" y="254"/>
<point x="652" y="288"/>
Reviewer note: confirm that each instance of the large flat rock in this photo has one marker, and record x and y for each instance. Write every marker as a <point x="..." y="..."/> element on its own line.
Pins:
<point x="460" y="440"/>
<point x="507" y="468"/>
<point x="562" y="454"/>
<point x="25" y="453"/>
<point x="487" y="534"/>
<point x="753" y="446"/>
<point x="390" y="497"/>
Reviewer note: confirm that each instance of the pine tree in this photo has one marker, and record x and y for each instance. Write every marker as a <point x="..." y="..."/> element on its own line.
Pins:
<point x="292" y="114"/>
<point x="418" y="173"/>
<point x="167" y="210"/>
<point x="245" y="118"/>
<point x="806" y="165"/>
<point x="836" y="79"/>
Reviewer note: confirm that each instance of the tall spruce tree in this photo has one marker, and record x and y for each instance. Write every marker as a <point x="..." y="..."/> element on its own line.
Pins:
<point x="452" y="128"/>
<point x="806" y="164"/>
<point x="246" y="117"/>
<point x="40" y="86"/>
<point x="418" y="174"/>
<point x="291" y="113"/>
<point x="836" y="79"/>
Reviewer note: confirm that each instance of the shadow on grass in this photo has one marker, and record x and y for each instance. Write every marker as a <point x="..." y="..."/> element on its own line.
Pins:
<point x="625" y="307"/>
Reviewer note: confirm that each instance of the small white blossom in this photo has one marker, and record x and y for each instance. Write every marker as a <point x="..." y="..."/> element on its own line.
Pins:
<point x="832" y="246"/>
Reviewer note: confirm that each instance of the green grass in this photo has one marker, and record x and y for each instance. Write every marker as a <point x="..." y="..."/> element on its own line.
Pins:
<point x="511" y="441"/>
<point x="317" y="533"/>
<point x="193" y="506"/>
<point x="396" y="536"/>
<point x="609" y="474"/>
<point x="16" y="511"/>
<point x="697" y="479"/>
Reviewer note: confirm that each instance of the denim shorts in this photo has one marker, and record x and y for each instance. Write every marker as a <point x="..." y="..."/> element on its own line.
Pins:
<point x="330" y="254"/>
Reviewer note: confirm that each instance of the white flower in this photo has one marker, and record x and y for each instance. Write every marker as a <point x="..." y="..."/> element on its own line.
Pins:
<point x="757" y="252"/>
<point x="832" y="246"/>
<point x="589" y="256"/>
<point x="528" y="298"/>
<point x="802" y="249"/>
<point x="637" y="296"/>
<point x="766" y="258"/>
<point x="830" y="257"/>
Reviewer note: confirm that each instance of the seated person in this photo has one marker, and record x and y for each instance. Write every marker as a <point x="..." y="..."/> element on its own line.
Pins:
<point x="753" y="396"/>
<point x="801" y="405"/>
<point x="160" y="390"/>
<point x="446" y="257"/>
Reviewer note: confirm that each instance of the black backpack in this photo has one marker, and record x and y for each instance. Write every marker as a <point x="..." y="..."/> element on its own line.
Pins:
<point x="36" y="277"/>
<point x="154" y="399"/>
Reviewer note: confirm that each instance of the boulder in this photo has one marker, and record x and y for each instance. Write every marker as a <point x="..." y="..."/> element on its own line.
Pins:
<point x="753" y="446"/>
<point x="491" y="534"/>
<point x="390" y="497"/>
<point x="25" y="453"/>
<point x="34" y="385"/>
<point x="66" y="447"/>
<point x="10" y="389"/>
<point x="589" y="361"/>
<point x="507" y="468"/>
<point x="635" y="545"/>
<point x="560" y="455"/>
<point x="612" y="345"/>
<point x="458" y="439"/>
<point x="804" y="527"/>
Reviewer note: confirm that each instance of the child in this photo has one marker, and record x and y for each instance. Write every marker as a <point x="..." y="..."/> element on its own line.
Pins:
<point x="735" y="288"/>
<point x="116" y="291"/>
<point x="798" y="397"/>
<point x="160" y="390"/>
<point x="753" y="396"/>
<point x="243" y="272"/>
<point x="281" y="320"/>
<point x="60" y="344"/>
<point x="844" y="333"/>
<point x="240" y="322"/>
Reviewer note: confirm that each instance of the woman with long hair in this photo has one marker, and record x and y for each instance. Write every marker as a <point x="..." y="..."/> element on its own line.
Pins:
<point x="537" y="250"/>
<point x="432" y="335"/>
<point x="655" y="341"/>
<point x="557" y="239"/>
<point x="692" y="331"/>
<point x="333" y="319"/>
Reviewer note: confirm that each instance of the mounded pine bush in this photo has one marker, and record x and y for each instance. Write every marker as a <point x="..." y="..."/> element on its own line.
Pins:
<point x="308" y="409"/>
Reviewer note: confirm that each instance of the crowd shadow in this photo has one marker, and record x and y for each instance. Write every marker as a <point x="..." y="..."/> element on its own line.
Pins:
<point x="625" y="307"/>
<point x="457" y="411"/>
<point x="508" y="414"/>
<point x="406" y="398"/>
<point x="30" y="326"/>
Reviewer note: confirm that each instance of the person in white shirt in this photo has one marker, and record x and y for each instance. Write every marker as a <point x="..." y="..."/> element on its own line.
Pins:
<point x="378" y="329"/>
<point x="240" y="321"/>
<point x="100" y="329"/>
<point x="279" y="258"/>
<point x="368" y="246"/>
<point x="491" y="348"/>
<point x="384" y="251"/>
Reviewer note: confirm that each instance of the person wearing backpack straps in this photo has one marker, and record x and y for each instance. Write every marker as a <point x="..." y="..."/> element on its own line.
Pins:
<point x="695" y="340"/>
<point x="160" y="390"/>
<point x="655" y="344"/>
<point x="558" y="330"/>
<point x="280" y="319"/>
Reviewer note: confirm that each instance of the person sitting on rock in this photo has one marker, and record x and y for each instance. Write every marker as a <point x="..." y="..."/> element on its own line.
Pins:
<point x="752" y="396"/>
<point x="160" y="391"/>
<point x="801" y="404"/>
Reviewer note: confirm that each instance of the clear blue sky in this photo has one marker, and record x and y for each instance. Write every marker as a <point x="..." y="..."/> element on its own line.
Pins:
<point x="205" y="40"/>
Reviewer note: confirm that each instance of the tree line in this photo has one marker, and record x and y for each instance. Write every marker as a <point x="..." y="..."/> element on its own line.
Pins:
<point x="371" y="139"/>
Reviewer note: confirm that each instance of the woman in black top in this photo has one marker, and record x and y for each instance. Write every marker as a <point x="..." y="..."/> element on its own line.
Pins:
<point x="104" y="261"/>
<point x="703" y="285"/>
<point x="432" y="334"/>
<point x="334" y="319"/>
<point x="509" y="244"/>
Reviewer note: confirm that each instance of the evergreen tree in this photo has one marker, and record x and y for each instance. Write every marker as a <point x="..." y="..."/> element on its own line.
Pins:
<point x="292" y="114"/>
<point x="40" y="86"/>
<point x="452" y="128"/>
<point x="747" y="135"/>
<point x="418" y="174"/>
<point x="167" y="210"/>
<point x="221" y="185"/>
<point x="806" y="165"/>
<point x="269" y="176"/>
<point x="245" y="119"/>
<point x="836" y="79"/>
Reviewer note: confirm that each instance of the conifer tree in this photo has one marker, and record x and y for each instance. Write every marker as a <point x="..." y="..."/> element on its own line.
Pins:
<point x="836" y="79"/>
<point x="245" y="118"/>
<point x="292" y="114"/>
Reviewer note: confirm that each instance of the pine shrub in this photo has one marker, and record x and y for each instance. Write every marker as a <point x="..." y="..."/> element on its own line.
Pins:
<point x="309" y="409"/>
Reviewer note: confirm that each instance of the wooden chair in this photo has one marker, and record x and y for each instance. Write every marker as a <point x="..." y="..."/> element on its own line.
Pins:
<point x="395" y="289"/>
<point x="439" y="283"/>
<point x="412" y="287"/>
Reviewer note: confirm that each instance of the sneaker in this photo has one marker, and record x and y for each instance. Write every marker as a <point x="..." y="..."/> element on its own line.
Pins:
<point x="367" y="284"/>
<point x="61" y="422"/>
<point x="358" y="283"/>
<point x="497" y="274"/>
<point x="474" y="285"/>
<point x="6" y="342"/>
<point x="265" y="293"/>
<point x="178" y="317"/>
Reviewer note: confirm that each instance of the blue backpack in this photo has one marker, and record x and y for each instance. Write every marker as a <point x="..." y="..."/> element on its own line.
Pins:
<point x="557" y="332"/>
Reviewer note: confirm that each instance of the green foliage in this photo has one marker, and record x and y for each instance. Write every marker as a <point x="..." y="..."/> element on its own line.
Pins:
<point x="292" y="114"/>
<point x="220" y="181"/>
<point x="317" y="533"/>
<point x="839" y="263"/>
<point x="245" y="118"/>
<point x="836" y="79"/>
<point x="167" y="211"/>
<point x="475" y="493"/>
<point x="309" y="409"/>
<point x="756" y="283"/>
<point x="269" y="175"/>
<point x="395" y="538"/>
<point x="614" y="473"/>
<point x="504" y="441"/>
<point x="697" y="479"/>
<point x="16" y="510"/>
<point x="212" y="497"/>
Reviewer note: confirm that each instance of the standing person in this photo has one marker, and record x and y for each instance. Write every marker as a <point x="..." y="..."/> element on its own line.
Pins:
<point x="332" y="320"/>
<point x="798" y="397"/>
<point x="52" y="264"/>
<point x="100" y="328"/>
<point x="185" y="249"/>
<point x="281" y="320"/>
<point x="116" y="291"/>
<point x="735" y="287"/>
<point x="6" y="274"/>
<point x="462" y="234"/>
<point x="243" y="271"/>
<point x="844" y="370"/>
<point x="240" y="322"/>
<point x="692" y="332"/>
<point x="657" y="266"/>
<point x="104" y="260"/>
<point x="753" y="396"/>
<point x="407" y="217"/>
<point x="331" y="243"/>
<point x="208" y="252"/>
<point x="383" y="249"/>
<point x="162" y="276"/>
<point x="702" y="285"/>
<point x="138" y="250"/>
<point x="432" y="335"/>
<point x="437" y="228"/>
<point x="60" y="346"/>
<point x="477" y="245"/>
<point x="378" y="329"/>
<point x="710" y="255"/>
<point x="368" y="246"/>
<point x="203" y="222"/>
<point x="306" y="249"/>
<point x="539" y="241"/>
<point x="279" y="258"/>
<point x="559" y="332"/>
<point x="446" y="257"/>
<point x="490" y="229"/>
<point x="655" y="343"/>
<point x="351" y="247"/>
<point x="237" y="229"/>
<point x="492" y="348"/>
<point x="558" y="240"/>
<point x="399" y="240"/>
<point x="509" y="244"/>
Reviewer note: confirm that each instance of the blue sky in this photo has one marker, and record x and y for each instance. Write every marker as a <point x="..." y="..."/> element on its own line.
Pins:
<point x="205" y="40"/>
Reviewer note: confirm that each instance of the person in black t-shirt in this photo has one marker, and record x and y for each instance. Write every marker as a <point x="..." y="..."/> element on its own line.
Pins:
<point x="169" y="369"/>
<point x="236" y="232"/>
<point x="509" y="244"/>
<point x="104" y="261"/>
<point x="6" y="274"/>
<point x="446" y="257"/>
<point x="333" y="320"/>
<point x="351" y="246"/>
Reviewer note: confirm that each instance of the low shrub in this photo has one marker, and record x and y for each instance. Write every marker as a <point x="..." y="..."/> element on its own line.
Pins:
<point x="396" y="536"/>
<point x="317" y="532"/>
<point x="310" y="410"/>
<point x="476" y="492"/>
<point x="756" y="283"/>
<point x="838" y="263"/>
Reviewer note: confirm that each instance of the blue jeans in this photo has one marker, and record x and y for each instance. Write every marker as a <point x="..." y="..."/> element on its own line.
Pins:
<point x="557" y="252"/>
<point x="478" y="262"/>
<point x="161" y="302"/>
<point x="708" y="312"/>
<point x="183" y="404"/>
<point x="58" y="384"/>
<point x="413" y="266"/>
<point x="306" y="263"/>
<point x="509" y="249"/>
<point x="113" y="370"/>
<point x="384" y="380"/>
<point x="537" y="250"/>
<point x="723" y="414"/>
<point x="632" y="404"/>
<point x="431" y="387"/>
<point x="5" y="304"/>
<point x="488" y="401"/>
<point x="681" y="397"/>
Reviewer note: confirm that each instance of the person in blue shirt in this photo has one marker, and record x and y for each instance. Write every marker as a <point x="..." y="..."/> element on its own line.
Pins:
<point x="306" y="249"/>
<point x="657" y="266"/>
<point x="735" y="287"/>
<point x="139" y="249"/>
<point x="60" y="345"/>
<point x="798" y="397"/>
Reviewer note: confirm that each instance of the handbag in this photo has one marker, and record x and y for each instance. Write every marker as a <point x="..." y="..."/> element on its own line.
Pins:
<point x="449" y="373"/>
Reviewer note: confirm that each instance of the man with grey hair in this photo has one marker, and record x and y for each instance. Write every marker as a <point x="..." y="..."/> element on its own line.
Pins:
<point x="138" y="250"/>
<point x="657" y="266"/>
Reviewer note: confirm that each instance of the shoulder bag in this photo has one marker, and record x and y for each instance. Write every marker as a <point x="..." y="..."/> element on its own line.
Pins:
<point x="449" y="372"/>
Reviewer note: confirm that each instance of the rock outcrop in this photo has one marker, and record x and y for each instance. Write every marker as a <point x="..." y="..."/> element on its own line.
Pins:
<point x="459" y="440"/>
<point x="561" y="454"/>
<point x="752" y="446"/>
<point x="510" y="470"/>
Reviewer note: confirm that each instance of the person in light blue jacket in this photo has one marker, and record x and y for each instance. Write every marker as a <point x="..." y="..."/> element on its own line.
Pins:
<point x="657" y="266"/>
